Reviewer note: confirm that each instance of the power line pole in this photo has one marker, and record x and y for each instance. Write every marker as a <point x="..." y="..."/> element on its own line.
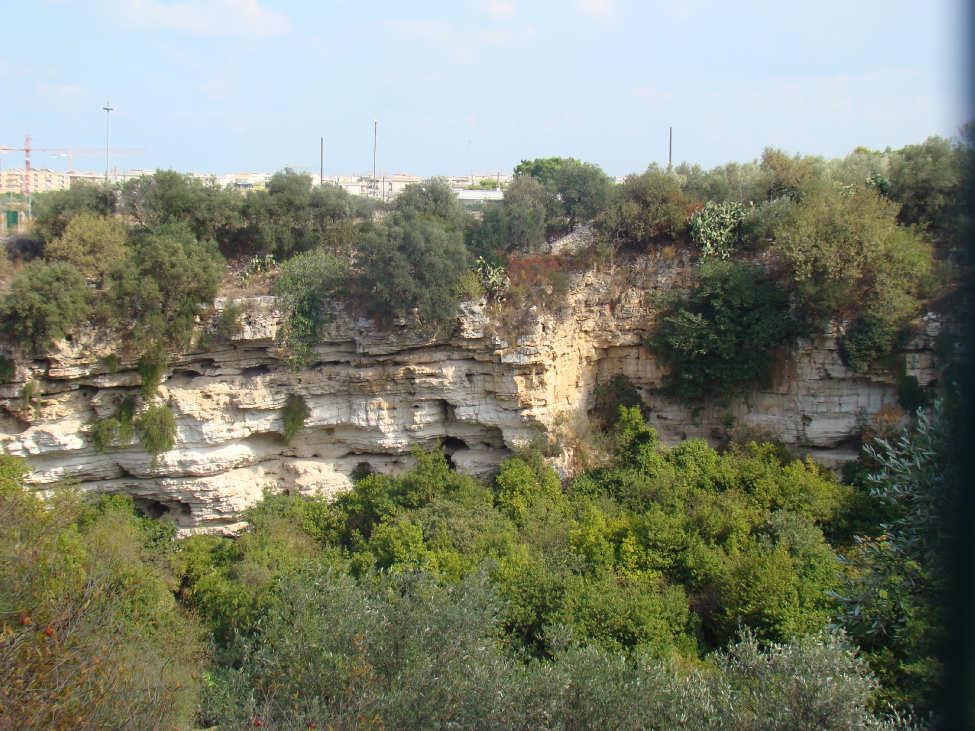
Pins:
<point x="108" y="111"/>
<point x="670" y="148"/>
<point x="321" y="163"/>
<point x="375" y="135"/>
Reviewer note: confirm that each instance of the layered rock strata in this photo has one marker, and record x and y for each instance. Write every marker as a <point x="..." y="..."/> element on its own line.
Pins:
<point x="506" y="378"/>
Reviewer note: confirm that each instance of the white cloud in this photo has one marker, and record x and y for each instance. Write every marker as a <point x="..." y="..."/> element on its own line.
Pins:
<point x="500" y="10"/>
<point x="601" y="9"/>
<point x="205" y="17"/>
<point x="461" y="45"/>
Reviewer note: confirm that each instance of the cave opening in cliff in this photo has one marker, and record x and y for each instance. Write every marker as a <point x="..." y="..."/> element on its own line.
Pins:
<point x="156" y="509"/>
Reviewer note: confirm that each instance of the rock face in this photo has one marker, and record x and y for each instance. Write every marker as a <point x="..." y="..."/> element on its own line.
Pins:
<point x="502" y="381"/>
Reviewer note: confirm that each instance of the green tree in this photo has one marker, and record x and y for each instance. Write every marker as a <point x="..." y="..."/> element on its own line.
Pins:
<point x="720" y="338"/>
<point x="410" y="269"/>
<point x="157" y="291"/>
<point x="46" y="302"/>
<point x="93" y="244"/>
<point x="848" y="257"/>
<point x="90" y="632"/>
<point x="54" y="210"/>
<point x="927" y="180"/>
<point x="646" y="209"/>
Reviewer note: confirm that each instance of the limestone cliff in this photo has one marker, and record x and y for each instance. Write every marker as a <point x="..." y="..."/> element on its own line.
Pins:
<point x="373" y="394"/>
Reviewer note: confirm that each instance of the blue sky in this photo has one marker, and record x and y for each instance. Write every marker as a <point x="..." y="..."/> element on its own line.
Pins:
<point x="234" y="85"/>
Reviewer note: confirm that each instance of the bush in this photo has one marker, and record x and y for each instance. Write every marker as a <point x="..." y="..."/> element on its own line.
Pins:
<point x="54" y="211"/>
<point x="114" y="431"/>
<point x="646" y="209"/>
<point x="847" y="256"/>
<point x="409" y="269"/>
<point x="293" y="415"/>
<point x="717" y="229"/>
<point x="91" y="633"/>
<point x="7" y="369"/>
<point x="152" y="369"/>
<point x="93" y="244"/>
<point x="159" y="289"/>
<point x="719" y="339"/>
<point x="308" y="287"/>
<point x="45" y="303"/>
<point x="227" y="324"/>
<point x="867" y="340"/>
<point x="157" y="430"/>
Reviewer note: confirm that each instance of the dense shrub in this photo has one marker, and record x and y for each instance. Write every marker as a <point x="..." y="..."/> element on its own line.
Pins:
<point x="93" y="244"/>
<point x="868" y="339"/>
<point x="410" y="269"/>
<point x="847" y="255"/>
<point x="717" y="229"/>
<point x="54" y="210"/>
<point x="646" y="209"/>
<point x="45" y="303"/>
<point x="168" y="197"/>
<point x="90" y="634"/>
<point x="895" y="597"/>
<point x="157" y="429"/>
<point x="309" y="286"/>
<point x="158" y="290"/>
<point x="294" y="413"/>
<point x="114" y="431"/>
<point x="720" y="338"/>
<point x="927" y="180"/>
<point x="578" y="191"/>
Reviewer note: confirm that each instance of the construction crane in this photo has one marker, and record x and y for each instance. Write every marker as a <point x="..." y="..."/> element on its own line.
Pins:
<point x="68" y="152"/>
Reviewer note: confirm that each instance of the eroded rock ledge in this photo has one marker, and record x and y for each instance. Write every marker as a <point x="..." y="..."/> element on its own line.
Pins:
<point x="374" y="394"/>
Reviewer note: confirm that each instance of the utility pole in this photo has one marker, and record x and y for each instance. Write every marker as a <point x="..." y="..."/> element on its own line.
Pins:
<point x="321" y="168"/>
<point x="108" y="111"/>
<point x="375" y="136"/>
<point x="670" y="148"/>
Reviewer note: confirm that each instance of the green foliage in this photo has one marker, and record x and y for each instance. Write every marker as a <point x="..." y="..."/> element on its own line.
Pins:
<point x="7" y="369"/>
<point x="518" y="224"/>
<point x="93" y="244"/>
<point x="928" y="181"/>
<point x="158" y="290"/>
<point x="895" y="597"/>
<point x="114" y="431"/>
<point x="577" y="191"/>
<point x="610" y="396"/>
<point x="867" y="340"/>
<point x="847" y="255"/>
<point x="716" y="228"/>
<point x="168" y="197"/>
<point x="152" y="369"/>
<point x="308" y="286"/>
<point x="157" y="429"/>
<point x="433" y="199"/>
<point x="46" y="302"/>
<point x="788" y="176"/>
<point x="90" y="633"/>
<point x="410" y="269"/>
<point x="646" y="209"/>
<point x="294" y="413"/>
<point x="53" y="211"/>
<point x="291" y="217"/>
<point x="719" y="339"/>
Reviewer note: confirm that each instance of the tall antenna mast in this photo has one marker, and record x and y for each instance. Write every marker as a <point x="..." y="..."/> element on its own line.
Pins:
<point x="670" y="148"/>
<point x="321" y="163"/>
<point x="375" y="136"/>
<point x="108" y="155"/>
